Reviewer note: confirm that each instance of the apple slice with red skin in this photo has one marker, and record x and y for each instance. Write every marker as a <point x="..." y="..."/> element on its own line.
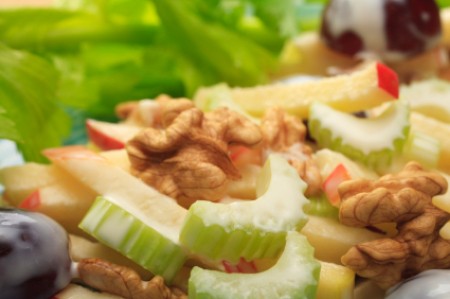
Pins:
<point x="66" y="202"/>
<point x="369" y="86"/>
<point x="110" y="136"/>
<point x="331" y="184"/>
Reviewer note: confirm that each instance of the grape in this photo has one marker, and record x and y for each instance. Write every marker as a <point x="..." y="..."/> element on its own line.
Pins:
<point x="390" y="29"/>
<point x="34" y="256"/>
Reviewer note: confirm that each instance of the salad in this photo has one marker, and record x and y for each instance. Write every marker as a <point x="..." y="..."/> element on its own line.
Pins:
<point x="310" y="163"/>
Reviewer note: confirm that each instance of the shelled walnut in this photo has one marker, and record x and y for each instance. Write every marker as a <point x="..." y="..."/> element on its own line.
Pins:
<point x="403" y="198"/>
<point x="285" y="134"/>
<point x="188" y="159"/>
<point x="124" y="282"/>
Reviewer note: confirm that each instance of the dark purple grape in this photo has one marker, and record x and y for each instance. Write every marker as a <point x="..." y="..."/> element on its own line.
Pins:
<point x="409" y="27"/>
<point x="34" y="255"/>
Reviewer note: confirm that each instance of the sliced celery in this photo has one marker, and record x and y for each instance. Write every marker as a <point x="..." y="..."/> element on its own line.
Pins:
<point x="295" y="275"/>
<point x="372" y="141"/>
<point x="119" y="229"/>
<point x="250" y="229"/>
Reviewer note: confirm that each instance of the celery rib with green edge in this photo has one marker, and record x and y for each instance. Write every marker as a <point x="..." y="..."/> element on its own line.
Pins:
<point x="122" y="231"/>
<point x="372" y="141"/>
<point x="294" y="276"/>
<point x="253" y="229"/>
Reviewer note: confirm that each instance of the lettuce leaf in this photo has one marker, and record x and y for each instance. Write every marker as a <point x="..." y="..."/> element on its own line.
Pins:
<point x="30" y="113"/>
<point x="84" y="57"/>
<point x="220" y="53"/>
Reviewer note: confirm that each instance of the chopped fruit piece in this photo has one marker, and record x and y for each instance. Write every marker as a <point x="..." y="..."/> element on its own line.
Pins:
<point x="32" y="202"/>
<point x="109" y="136"/>
<point x="331" y="184"/>
<point x="327" y="160"/>
<point x="49" y="190"/>
<point x="365" y="88"/>
<point x="217" y="96"/>
<point x="429" y="97"/>
<point x="295" y="275"/>
<point x="331" y="239"/>
<point x="137" y="202"/>
<point x="336" y="282"/>
<point x="249" y="229"/>
<point x="438" y="130"/>
<point x="372" y="141"/>
<point x="133" y="237"/>
<point x="118" y="157"/>
<point x="22" y="180"/>
<point x="245" y="187"/>
<point x="387" y="80"/>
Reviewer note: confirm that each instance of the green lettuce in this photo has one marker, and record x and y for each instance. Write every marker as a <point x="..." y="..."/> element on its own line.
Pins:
<point x="80" y="58"/>
<point x="29" y="112"/>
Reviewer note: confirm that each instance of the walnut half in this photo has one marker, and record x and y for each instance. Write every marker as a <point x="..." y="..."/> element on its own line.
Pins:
<point x="124" y="282"/>
<point x="403" y="198"/>
<point x="188" y="159"/>
<point x="285" y="134"/>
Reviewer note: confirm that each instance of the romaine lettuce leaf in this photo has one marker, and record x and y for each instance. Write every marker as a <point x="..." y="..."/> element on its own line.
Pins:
<point x="93" y="54"/>
<point x="28" y="100"/>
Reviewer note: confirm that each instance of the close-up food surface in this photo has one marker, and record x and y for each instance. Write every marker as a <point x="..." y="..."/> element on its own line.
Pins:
<point x="225" y="149"/>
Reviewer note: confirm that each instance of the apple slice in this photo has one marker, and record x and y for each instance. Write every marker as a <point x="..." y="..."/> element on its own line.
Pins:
<point x="129" y="214"/>
<point x="327" y="160"/>
<point x="368" y="87"/>
<point x="109" y="136"/>
<point x="331" y="239"/>
<point x="118" y="157"/>
<point x="249" y="229"/>
<point x="331" y="184"/>
<point x="22" y="180"/>
<point x="336" y="282"/>
<point x="66" y="202"/>
<point x="295" y="275"/>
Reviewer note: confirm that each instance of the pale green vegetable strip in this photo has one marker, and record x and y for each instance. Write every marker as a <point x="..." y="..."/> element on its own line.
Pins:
<point x="295" y="275"/>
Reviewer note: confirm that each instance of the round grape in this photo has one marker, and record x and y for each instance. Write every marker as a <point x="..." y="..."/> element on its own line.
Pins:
<point x="34" y="255"/>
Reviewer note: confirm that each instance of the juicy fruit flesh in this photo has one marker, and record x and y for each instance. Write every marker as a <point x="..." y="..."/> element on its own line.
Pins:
<point x="295" y="275"/>
<point x="362" y="89"/>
